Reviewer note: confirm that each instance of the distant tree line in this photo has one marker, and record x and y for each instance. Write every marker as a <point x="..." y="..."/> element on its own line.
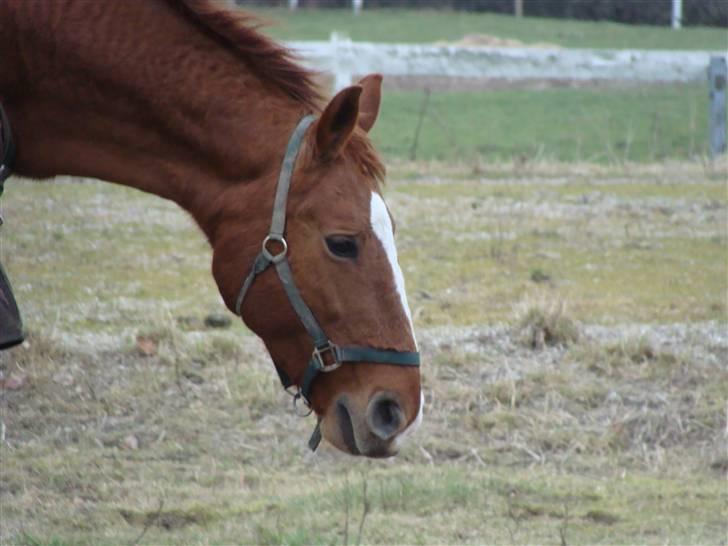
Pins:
<point x="640" y="12"/>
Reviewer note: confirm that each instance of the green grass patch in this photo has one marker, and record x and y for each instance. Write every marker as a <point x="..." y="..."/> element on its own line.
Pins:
<point x="68" y="257"/>
<point x="602" y="125"/>
<point x="461" y="283"/>
<point x="427" y="26"/>
<point x="424" y="505"/>
<point x="614" y="247"/>
<point x="574" y="188"/>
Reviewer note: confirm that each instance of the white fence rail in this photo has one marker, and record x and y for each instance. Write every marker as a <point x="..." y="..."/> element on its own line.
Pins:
<point x="345" y="59"/>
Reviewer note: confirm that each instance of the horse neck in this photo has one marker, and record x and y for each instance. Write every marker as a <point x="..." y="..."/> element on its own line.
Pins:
<point x="136" y="93"/>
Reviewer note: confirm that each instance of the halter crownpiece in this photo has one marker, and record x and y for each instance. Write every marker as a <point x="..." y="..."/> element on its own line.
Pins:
<point x="326" y="356"/>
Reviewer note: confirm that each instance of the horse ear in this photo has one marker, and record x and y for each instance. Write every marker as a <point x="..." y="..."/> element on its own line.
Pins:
<point x="338" y="121"/>
<point x="371" y="97"/>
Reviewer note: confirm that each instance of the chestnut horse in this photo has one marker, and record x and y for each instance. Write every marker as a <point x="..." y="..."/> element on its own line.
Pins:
<point x="183" y="99"/>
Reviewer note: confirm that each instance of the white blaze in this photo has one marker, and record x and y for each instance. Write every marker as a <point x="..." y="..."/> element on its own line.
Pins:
<point x="382" y="226"/>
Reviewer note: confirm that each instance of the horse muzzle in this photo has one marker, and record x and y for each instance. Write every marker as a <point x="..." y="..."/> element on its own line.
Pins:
<point x="373" y="429"/>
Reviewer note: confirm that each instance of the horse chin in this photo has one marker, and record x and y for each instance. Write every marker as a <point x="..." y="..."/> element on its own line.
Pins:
<point x="346" y="429"/>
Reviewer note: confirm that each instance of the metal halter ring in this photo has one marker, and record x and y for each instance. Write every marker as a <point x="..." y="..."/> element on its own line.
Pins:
<point x="318" y="356"/>
<point x="297" y="408"/>
<point x="275" y="258"/>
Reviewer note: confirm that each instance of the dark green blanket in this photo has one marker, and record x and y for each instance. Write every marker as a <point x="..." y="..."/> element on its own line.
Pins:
<point x="11" y="326"/>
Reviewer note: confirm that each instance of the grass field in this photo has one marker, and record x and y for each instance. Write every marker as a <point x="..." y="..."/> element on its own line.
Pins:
<point x="596" y="125"/>
<point x="572" y="320"/>
<point x="427" y="26"/>
<point x="604" y="124"/>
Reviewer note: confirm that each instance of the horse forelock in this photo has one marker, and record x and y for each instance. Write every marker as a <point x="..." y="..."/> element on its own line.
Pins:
<point x="361" y="151"/>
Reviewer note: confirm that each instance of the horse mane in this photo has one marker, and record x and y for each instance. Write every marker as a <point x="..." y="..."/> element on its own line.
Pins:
<point x="277" y="65"/>
<point x="270" y="61"/>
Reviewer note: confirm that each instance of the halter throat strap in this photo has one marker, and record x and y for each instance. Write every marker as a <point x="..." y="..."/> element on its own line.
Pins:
<point x="326" y="356"/>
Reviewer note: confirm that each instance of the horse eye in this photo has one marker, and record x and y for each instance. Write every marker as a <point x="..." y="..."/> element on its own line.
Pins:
<point x="342" y="246"/>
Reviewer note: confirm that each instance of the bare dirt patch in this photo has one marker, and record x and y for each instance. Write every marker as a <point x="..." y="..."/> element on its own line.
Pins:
<point x="487" y="40"/>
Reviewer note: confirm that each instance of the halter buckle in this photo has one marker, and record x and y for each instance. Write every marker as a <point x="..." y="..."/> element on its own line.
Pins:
<point x="319" y="354"/>
<point x="275" y="258"/>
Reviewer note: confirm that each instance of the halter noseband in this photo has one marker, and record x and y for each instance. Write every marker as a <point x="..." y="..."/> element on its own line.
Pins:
<point x="324" y="350"/>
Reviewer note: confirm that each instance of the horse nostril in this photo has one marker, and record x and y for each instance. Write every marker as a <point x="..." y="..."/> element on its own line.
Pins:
<point x="384" y="416"/>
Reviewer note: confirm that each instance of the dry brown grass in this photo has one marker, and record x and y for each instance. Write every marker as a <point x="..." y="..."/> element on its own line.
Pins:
<point x="613" y="430"/>
<point x="666" y="170"/>
<point x="546" y="324"/>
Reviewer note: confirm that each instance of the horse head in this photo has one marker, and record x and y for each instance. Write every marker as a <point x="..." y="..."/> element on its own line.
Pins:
<point x="339" y="242"/>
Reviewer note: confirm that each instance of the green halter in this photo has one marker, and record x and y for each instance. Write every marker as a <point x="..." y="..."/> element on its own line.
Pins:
<point x="324" y="350"/>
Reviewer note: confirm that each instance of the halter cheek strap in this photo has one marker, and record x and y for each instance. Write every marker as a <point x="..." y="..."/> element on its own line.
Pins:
<point x="326" y="356"/>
